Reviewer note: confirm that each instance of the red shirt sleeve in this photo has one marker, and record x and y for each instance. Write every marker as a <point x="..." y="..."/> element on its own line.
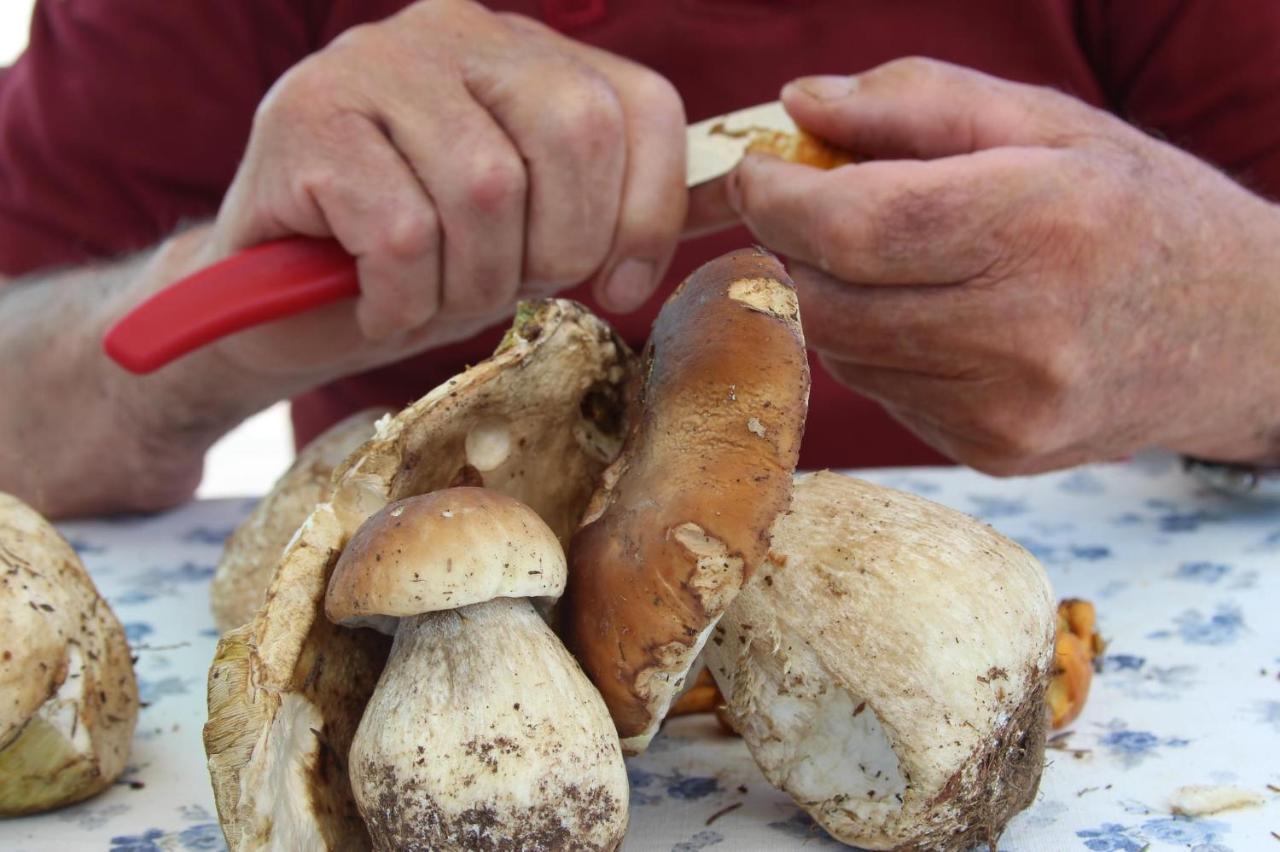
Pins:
<point x="125" y="117"/>
<point x="1203" y="75"/>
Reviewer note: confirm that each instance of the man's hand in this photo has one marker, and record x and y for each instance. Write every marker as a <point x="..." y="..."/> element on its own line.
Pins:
<point x="465" y="159"/>
<point x="1025" y="281"/>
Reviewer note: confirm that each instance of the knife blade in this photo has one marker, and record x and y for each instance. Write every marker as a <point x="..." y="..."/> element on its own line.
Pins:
<point x="286" y="277"/>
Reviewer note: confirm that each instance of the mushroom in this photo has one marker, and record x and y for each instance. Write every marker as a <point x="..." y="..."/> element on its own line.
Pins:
<point x="287" y="690"/>
<point x="682" y="518"/>
<point x="483" y="733"/>
<point x="68" y="697"/>
<point x="887" y="667"/>
<point x="253" y="550"/>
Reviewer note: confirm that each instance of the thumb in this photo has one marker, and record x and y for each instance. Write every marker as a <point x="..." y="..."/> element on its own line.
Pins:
<point x="924" y="109"/>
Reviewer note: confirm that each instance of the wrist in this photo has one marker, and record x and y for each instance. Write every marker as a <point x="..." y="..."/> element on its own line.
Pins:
<point x="166" y="420"/>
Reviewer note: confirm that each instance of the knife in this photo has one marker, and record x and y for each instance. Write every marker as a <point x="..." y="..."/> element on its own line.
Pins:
<point x="290" y="276"/>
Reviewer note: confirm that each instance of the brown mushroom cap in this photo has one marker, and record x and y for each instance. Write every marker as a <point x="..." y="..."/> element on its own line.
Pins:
<point x="682" y="518"/>
<point x="441" y="551"/>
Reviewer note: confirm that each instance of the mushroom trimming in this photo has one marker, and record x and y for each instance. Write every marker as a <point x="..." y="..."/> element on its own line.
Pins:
<point x="68" y="696"/>
<point x="482" y="731"/>
<point x="888" y="666"/>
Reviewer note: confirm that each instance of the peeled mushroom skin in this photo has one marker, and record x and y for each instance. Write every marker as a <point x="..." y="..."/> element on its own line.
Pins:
<point x="556" y="382"/>
<point x="887" y="667"/>
<point x="68" y="696"/>
<point x="254" y="549"/>
<point x="682" y="518"/>
<point x="484" y="734"/>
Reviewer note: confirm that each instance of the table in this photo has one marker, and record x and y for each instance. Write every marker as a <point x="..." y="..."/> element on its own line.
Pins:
<point x="1187" y="587"/>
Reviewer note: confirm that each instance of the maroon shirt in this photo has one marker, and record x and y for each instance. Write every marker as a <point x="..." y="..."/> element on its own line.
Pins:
<point x="126" y="117"/>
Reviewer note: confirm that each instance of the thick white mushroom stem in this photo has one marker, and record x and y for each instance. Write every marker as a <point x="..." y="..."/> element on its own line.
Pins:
<point x="483" y="733"/>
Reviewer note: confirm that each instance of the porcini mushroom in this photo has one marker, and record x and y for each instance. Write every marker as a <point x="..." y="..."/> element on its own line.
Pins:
<point x="482" y="733"/>
<point x="253" y="550"/>
<point x="68" y="697"/>
<point x="682" y="517"/>
<point x="887" y="667"/>
<point x="287" y="690"/>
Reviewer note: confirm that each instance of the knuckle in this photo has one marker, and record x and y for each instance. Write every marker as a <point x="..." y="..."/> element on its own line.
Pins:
<point x="315" y="180"/>
<point x="657" y="96"/>
<point x="495" y="183"/>
<point x="587" y="117"/>
<point x="411" y="234"/>
<point x="908" y="69"/>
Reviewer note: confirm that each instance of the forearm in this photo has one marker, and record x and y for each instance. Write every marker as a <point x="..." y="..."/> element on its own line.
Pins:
<point x="78" y="435"/>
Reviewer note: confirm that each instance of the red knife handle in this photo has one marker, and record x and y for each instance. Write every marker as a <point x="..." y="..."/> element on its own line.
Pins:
<point x="265" y="283"/>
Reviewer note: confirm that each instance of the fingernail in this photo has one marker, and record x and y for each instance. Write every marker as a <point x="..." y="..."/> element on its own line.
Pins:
<point x="825" y="87"/>
<point x="630" y="284"/>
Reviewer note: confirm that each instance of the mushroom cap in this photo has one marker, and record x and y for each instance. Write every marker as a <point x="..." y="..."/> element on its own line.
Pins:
<point x="68" y="696"/>
<point x="444" y="550"/>
<point x="254" y="549"/>
<point x="287" y="690"/>
<point x="682" y="518"/>
<point x="887" y="667"/>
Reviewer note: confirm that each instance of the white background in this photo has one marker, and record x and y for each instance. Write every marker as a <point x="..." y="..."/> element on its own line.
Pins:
<point x="249" y="459"/>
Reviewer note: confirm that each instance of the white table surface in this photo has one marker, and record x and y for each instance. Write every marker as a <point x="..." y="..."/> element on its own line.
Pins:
<point x="1187" y="586"/>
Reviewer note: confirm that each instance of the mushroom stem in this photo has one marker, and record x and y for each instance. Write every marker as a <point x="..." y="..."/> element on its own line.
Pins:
<point x="484" y="733"/>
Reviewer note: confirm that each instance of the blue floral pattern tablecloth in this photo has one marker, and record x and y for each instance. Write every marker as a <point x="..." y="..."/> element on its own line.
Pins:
<point x="1187" y="586"/>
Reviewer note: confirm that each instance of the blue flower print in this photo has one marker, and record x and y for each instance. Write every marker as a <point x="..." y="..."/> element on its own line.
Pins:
<point x="145" y="842"/>
<point x="802" y="827"/>
<point x="695" y="787"/>
<point x="1208" y="573"/>
<point x="988" y="507"/>
<point x="1269" y="713"/>
<point x="1182" y="831"/>
<point x="676" y="786"/>
<point x="1112" y="837"/>
<point x="207" y="535"/>
<point x="136" y="631"/>
<point x="701" y="840"/>
<point x="1122" y="662"/>
<point x="1221" y="628"/>
<point x="1083" y="483"/>
<point x="151" y="691"/>
<point x="83" y="547"/>
<point x="205" y="837"/>
<point x="1133" y="747"/>
<point x="1052" y="554"/>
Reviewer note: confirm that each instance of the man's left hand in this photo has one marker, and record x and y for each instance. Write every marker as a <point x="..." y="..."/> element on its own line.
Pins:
<point x="1023" y="280"/>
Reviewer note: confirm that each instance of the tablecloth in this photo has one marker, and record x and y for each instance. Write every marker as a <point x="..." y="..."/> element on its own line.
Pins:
<point x="1187" y="587"/>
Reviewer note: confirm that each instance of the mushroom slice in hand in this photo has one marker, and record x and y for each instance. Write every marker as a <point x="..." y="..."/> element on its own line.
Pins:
<point x="253" y="550"/>
<point x="682" y="518"/>
<point x="68" y="697"/>
<point x="888" y="665"/>
<point x="483" y="733"/>
<point x="538" y="421"/>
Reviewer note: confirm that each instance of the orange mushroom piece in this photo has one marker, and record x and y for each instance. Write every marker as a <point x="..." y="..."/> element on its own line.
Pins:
<point x="1078" y="644"/>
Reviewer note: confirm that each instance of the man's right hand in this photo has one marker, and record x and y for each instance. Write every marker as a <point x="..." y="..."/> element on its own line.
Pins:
<point x="466" y="159"/>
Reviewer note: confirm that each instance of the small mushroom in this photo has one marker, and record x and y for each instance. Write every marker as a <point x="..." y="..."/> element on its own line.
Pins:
<point x="254" y="549"/>
<point x="681" y="519"/>
<point x="482" y="733"/>
<point x="68" y="697"/>
<point x="887" y="667"/>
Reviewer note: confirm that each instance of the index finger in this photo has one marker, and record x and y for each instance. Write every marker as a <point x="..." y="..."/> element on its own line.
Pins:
<point x="896" y="221"/>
